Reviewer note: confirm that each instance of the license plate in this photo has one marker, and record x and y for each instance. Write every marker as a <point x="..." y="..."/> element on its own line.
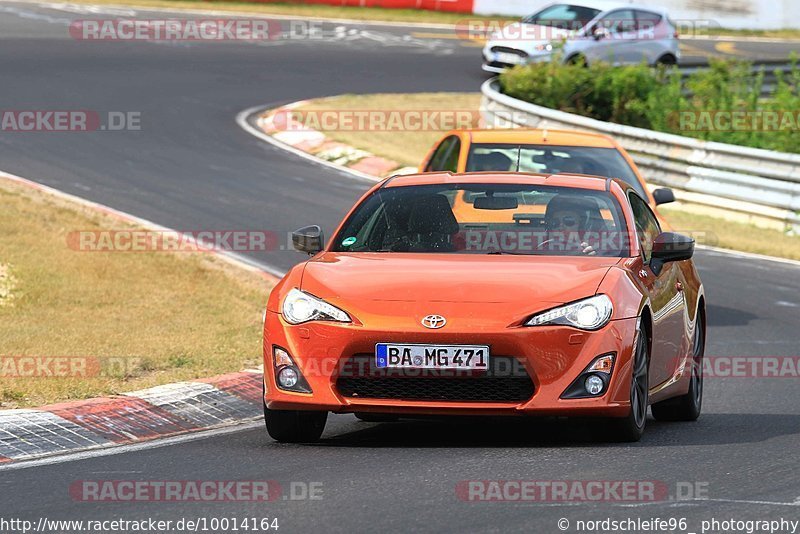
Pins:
<point x="505" y="57"/>
<point x="416" y="356"/>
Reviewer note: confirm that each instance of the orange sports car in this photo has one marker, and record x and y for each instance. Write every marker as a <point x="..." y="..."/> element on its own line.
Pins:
<point x="539" y="150"/>
<point x="571" y="301"/>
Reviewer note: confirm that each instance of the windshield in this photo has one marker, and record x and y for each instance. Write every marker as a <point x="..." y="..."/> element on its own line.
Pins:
<point x="564" y="16"/>
<point x="486" y="219"/>
<point x="548" y="159"/>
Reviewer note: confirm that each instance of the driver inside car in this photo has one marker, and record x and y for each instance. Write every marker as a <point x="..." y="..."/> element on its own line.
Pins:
<point x="569" y="221"/>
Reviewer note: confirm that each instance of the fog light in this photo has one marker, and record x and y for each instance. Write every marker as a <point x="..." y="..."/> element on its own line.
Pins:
<point x="593" y="384"/>
<point x="287" y="373"/>
<point x="287" y="377"/>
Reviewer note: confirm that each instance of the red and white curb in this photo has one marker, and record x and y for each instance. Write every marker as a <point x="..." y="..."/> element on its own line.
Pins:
<point x="138" y="416"/>
<point x="315" y="145"/>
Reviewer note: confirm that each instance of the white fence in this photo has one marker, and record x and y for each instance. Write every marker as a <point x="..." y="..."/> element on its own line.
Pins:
<point x="762" y="183"/>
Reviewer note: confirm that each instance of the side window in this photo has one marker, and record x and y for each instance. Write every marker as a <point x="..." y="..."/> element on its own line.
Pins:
<point x="451" y="161"/>
<point x="647" y="228"/>
<point x="646" y="21"/>
<point x="617" y="22"/>
<point x="446" y="156"/>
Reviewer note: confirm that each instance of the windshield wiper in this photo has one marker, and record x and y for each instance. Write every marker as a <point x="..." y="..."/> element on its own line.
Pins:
<point x="505" y="252"/>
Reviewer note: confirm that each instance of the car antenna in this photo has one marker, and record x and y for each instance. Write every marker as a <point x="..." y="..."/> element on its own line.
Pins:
<point x="519" y="155"/>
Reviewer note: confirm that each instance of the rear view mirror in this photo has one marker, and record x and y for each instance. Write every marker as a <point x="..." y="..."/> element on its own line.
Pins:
<point x="663" y="196"/>
<point x="495" y="203"/>
<point x="309" y="239"/>
<point x="669" y="246"/>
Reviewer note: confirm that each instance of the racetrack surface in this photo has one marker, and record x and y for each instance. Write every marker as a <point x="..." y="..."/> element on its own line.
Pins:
<point x="191" y="167"/>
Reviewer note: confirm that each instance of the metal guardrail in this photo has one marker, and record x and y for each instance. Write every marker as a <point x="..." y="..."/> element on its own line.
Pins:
<point x="757" y="182"/>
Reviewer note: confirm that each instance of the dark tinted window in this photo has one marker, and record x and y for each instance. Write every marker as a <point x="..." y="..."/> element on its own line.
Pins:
<point x="564" y="16"/>
<point x="549" y="159"/>
<point x="646" y="20"/>
<point x="519" y="219"/>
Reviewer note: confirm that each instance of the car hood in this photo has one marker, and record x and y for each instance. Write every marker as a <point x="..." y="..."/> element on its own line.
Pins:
<point x="414" y="284"/>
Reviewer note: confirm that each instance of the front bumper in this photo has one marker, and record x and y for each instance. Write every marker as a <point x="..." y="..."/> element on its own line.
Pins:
<point x="552" y="356"/>
<point x="493" y="62"/>
<point x="495" y="68"/>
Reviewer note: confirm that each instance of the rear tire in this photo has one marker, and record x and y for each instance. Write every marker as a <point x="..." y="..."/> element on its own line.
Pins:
<point x="295" y="426"/>
<point x="687" y="407"/>
<point x="376" y="417"/>
<point x="631" y="427"/>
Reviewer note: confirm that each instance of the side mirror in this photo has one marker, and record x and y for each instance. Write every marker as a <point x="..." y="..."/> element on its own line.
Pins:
<point x="600" y="32"/>
<point x="308" y="239"/>
<point x="669" y="246"/>
<point x="663" y="196"/>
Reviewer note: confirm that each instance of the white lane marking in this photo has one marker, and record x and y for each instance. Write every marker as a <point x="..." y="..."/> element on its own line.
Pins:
<point x="787" y="304"/>
<point x="721" y="501"/>
<point x="233" y="258"/>
<point x="86" y="9"/>
<point x="222" y="13"/>
<point x="31" y="15"/>
<point x="340" y="34"/>
<point x="109" y="450"/>
<point x="242" y="120"/>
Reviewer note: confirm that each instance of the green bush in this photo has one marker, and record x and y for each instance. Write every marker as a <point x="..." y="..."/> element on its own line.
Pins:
<point x="660" y="99"/>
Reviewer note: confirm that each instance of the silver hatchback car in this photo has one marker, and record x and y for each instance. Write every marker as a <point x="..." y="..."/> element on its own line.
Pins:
<point x="590" y="31"/>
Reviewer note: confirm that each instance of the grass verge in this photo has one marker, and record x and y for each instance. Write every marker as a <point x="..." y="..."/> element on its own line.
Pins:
<point x="134" y="319"/>
<point x="409" y="148"/>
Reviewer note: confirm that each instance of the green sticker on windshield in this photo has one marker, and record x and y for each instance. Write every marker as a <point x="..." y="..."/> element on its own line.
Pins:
<point x="348" y="241"/>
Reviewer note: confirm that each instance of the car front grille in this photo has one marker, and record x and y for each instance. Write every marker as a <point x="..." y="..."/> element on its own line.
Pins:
<point x="507" y="50"/>
<point x="505" y="381"/>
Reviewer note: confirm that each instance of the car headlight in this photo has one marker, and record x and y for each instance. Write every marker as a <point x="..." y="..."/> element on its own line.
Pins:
<point x="300" y="307"/>
<point x="587" y="314"/>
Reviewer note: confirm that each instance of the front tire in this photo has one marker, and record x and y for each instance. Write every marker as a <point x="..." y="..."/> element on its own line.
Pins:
<point x="631" y="427"/>
<point x="295" y="426"/>
<point x="667" y="60"/>
<point x="687" y="407"/>
<point x="577" y="59"/>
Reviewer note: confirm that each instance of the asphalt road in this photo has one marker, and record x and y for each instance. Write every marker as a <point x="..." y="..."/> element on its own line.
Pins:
<point x="192" y="167"/>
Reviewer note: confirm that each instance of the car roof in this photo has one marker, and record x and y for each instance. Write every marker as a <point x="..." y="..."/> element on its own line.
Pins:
<point x="540" y="137"/>
<point x="608" y="5"/>
<point x="577" y="181"/>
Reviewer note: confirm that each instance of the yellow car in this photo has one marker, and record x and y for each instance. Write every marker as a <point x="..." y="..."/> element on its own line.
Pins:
<point x="539" y="151"/>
